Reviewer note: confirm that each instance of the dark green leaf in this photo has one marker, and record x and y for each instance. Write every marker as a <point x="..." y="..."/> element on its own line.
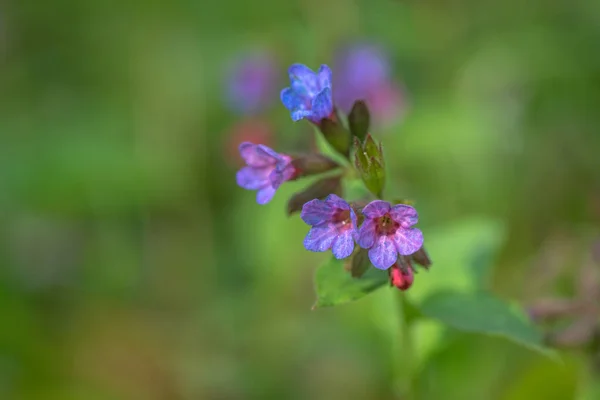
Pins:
<point x="335" y="285"/>
<point x="483" y="313"/>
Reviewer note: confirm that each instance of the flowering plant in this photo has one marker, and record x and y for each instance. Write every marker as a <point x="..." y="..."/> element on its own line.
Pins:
<point x="384" y="230"/>
<point x="374" y="241"/>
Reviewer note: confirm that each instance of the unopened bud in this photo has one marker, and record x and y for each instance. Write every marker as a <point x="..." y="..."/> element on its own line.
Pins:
<point x="402" y="278"/>
<point x="359" y="119"/>
<point x="368" y="160"/>
<point x="336" y="135"/>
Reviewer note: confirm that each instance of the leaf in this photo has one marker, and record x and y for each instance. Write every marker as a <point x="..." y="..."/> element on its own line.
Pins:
<point x="335" y="285"/>
<point x="483" y="313"/>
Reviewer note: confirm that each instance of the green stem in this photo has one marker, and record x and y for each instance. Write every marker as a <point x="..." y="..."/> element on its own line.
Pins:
<point x="403" y="358"/>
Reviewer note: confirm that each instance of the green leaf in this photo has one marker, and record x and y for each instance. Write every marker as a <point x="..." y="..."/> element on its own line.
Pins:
<point x="483" y="313"/>
<point x="335" y="285"/>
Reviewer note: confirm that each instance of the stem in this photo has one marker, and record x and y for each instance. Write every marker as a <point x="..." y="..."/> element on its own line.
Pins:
<point x="403" y="358"/>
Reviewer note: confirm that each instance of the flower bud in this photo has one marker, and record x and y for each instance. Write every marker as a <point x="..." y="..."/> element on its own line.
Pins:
<point x="359" y="119"/>
<point x="402" y="278"/>
<point x="368" y="160"/>
<point x="336" y="135"/>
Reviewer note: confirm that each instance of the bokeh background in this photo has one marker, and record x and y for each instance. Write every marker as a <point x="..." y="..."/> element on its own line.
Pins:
<point x="133" y="267"/>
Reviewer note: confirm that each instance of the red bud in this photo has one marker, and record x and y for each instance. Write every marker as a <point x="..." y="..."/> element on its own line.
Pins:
<point x="402" y="279"/>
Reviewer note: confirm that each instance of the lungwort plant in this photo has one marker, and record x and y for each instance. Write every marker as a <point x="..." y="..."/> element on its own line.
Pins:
<point x="374" y="240"/>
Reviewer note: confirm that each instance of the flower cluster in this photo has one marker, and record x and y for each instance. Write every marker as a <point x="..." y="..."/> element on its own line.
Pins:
<point x="385" y="230"/>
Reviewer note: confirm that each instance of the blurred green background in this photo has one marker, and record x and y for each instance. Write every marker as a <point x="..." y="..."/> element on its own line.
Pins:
<point x="133" y="267"/>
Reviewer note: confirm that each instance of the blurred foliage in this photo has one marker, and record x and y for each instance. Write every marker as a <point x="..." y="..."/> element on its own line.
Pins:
<point x="134" y="268"/>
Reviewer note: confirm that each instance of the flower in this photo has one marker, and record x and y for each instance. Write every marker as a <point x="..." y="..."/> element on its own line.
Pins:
<point x="251" y="82"/>
<point x="363" y="73"/>
<point x="265" y="170"/>
<point x="387" y="232"/>
<point x="333" y="224"/>
<point x="309" y="95"/>
<point x="401" y="278"/>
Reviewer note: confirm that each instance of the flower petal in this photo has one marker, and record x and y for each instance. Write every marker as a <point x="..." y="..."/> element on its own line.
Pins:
<point x="376" y="209"/>
<point x="290" y="99"/>
<point x="264" y="195"/>
<point x="354" y="223"/>
<point x="343" y="245"/>
<point x="324" y="77"/>
<point x="300" y="72"/>
<point x="283" y="172"/>
<point x="255" y="155"/>
<point x="320" y="237"/>
<point x="367" y="234"/>
<point x="383" y="254"/>
<point x="253" y="178"/>
<point x="322" y="105"/>
<point x="408" y="241"/>
<point x="337" y="202"/>
<point x="299" y="114"/>
<point x="316" y="211"/>
<point x="405" y="215"/>
<point x="304" y="80"/>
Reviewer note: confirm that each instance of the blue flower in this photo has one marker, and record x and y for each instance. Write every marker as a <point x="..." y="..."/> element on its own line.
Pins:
<point x="309" y="95"/>
<point x="266" y="170"/>
<point x="333" y="224"/>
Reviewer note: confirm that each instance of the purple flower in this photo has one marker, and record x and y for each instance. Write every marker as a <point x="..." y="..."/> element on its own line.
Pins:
<point x="309" y="95"/>
<point x="333" y="224"/>
<point x="251" y="83"/>
<point x="363" y="73"/>
<point x="265" y="170"/>
<point x="387" y="232"/>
